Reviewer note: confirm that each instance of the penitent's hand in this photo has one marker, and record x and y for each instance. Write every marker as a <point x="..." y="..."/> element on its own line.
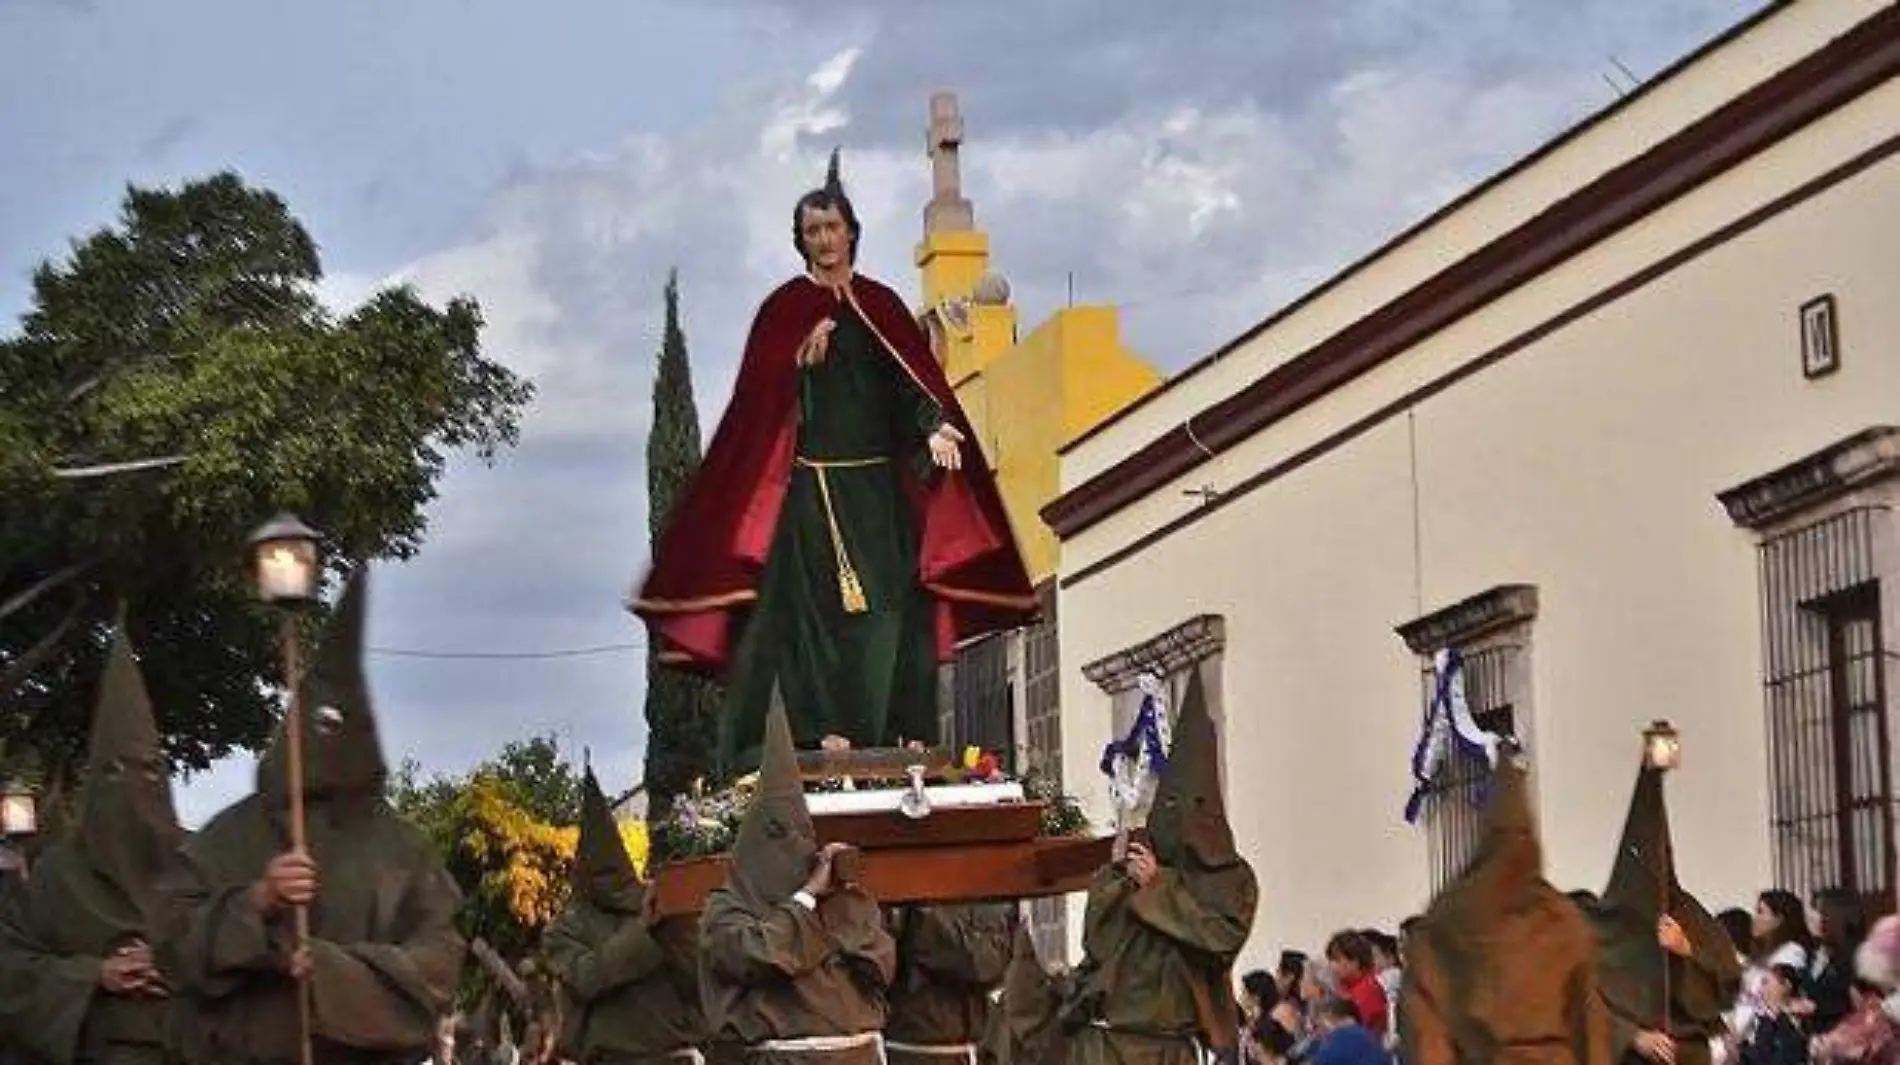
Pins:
<point x="817" y="343"/>
<point x="1142" y="866"/>
<point x="289" y="880"/>
<point x="943" y="447"/>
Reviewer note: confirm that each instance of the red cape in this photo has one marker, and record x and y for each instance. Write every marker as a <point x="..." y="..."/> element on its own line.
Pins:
<point x="709" y="559"/>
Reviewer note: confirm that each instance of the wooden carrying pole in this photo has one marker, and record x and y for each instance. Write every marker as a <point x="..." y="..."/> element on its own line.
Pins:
<point x="293" y="754"/>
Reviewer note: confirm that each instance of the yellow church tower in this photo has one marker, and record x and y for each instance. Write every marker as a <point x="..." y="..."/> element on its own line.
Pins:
<point x="1026" y="397"/>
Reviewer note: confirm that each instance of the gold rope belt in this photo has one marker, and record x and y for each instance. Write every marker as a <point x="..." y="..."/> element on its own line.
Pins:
<point x="850" y="588"/>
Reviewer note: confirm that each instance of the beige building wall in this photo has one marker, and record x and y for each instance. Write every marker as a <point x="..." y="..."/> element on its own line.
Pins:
<point x="1586" y="464"/>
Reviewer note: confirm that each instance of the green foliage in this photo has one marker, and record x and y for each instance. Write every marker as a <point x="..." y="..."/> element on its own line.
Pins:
<point x="681" y="708"/>
<point x="190" y="330"/>
<point x="506" y="831"/>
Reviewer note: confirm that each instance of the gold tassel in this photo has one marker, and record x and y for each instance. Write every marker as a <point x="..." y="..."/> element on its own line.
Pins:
<point x="851" y="591"/>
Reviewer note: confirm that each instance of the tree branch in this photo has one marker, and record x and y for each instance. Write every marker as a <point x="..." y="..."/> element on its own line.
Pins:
<point x="501" y="971"/>
<point x="17" y="670"/>
<point x="22" y="600"/>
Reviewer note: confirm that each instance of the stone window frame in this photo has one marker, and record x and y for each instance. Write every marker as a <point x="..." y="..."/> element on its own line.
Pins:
<point x="1197" y="643"/>
<point x="1493" y="630"/>
<point x="1827" y="532"/>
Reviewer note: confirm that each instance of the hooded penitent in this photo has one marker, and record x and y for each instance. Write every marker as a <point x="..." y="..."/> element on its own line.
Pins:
<point x="949" y="959"/>
<point x="1023" y="1028"/>
<point x="1500" y="969"/>
<point x="1159" y="959"/>
<point x="385" y="953"/>
<point x="604" y="875"/>
<point x="93" y="892"/>
<point x="772" y="968"/>
<point x="1630" y="967"/>
<point x="628" y="991"/>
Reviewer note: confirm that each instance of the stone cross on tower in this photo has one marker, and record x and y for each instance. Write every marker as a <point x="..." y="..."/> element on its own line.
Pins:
<point x="947" y="210"/>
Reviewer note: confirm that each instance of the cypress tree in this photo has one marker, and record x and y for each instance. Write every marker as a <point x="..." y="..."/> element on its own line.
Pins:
<point x="681" y="708"/>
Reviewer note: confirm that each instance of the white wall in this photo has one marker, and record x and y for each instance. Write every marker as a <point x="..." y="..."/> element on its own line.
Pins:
<point x="1586" y="465"/>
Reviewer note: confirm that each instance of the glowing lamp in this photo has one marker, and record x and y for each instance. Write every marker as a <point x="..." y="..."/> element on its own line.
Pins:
<point x="1662" y="746"/>
<point x="19" y="812"/>
<point x="284" y="556"/>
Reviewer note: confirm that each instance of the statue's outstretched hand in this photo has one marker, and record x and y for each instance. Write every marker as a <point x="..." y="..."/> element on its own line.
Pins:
<point x="817" y="343"/>
<point x="943" y="447"/>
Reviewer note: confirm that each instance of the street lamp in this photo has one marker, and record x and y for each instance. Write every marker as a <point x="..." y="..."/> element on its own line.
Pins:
<point x="286" y="564"/>
<point x="1662" y="746"/>
<point x="1662" y="751"/>
<point x="19" y="810"/>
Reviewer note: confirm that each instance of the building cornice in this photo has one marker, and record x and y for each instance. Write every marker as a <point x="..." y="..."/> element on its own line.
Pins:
<point x="1868" y="457"/>
<point x="1850" y="65"/>
<point x="1468" y="620"/>
<point x="1189" y="642"/>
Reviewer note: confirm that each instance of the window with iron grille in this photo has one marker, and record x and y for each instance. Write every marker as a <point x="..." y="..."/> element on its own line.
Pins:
<point x="1041" y="752"/>
<point x="1171" y="656"/>
<point x="1491" y="632"/>
<point x="1827" y="563"/>
<point x="1830" y="778"/>
<point x="983" y="711"/>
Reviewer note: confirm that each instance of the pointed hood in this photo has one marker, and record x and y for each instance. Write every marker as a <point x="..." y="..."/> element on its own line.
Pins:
<point x="1189" y="816"/>
<point x="1024" y="1029"/>
<point x="128" y="829"/>
<point x="834" y="182"/>
<point x="604" y="875"/>
<point x="772" y="854"/>
<point x="1509" y="863"/>
<point x="1642" y="889"/>
<point x="342" y="753"/>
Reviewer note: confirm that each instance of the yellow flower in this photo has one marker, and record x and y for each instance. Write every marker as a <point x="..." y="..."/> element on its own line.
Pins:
<point x="971" y="756"/>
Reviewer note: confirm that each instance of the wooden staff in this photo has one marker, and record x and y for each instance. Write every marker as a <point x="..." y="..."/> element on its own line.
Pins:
<point x="293" y="752"/>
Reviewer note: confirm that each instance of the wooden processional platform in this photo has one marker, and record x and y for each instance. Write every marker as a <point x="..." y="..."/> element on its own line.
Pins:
<point x="977" y="843"/>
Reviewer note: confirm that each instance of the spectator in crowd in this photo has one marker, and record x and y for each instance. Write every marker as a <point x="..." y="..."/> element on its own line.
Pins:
<point x="1350" y="957"/>
<point x="1840" y="923"/>
<point x="1386" y="972"/>
<point x="1343" y="1038"/>
<point x="1775" y="1037"/>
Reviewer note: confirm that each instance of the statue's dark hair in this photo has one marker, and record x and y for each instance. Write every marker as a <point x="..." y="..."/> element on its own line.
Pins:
<point x="823" y="200"/>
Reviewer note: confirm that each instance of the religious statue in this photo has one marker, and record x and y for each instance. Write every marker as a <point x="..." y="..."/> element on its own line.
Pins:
<point x="837" y="542"/>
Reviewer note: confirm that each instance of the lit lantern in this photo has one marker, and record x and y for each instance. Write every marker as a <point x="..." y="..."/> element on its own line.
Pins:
<point x="284" y="555"/>
<point x="19" y="812"/>
<point x="1662" y="746"/>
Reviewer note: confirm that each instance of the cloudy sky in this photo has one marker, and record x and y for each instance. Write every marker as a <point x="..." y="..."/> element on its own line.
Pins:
<point x="1196" y="163"/>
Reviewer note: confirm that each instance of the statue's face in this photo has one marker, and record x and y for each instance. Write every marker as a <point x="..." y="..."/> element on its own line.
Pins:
<point x="827" y="238"/>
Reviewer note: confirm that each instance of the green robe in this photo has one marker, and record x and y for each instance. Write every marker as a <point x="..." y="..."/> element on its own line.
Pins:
<point x="1155" y="964"/>
<point x="784" y="972"/>
<point x="1025" y="1023"/>
<point x="632" y="994"/>
<point x="869" y="676"/>
<point x="55" y="931"/>
<point x="383" y="941"/>
<point x="949" y="960"/>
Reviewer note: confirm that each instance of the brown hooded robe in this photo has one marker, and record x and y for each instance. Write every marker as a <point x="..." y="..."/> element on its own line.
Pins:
<point x="949" y="959"/>
<point x="1501" y="968"/>
<point x="1023" y="1028"/>
<point x="773" y="971"/>
<point x="1156" y="976"/>
<point x="630" y="993"/>
<point x="382" y="934"/>
<point x="92" y="893"/>
<point x="1643" y="887"/>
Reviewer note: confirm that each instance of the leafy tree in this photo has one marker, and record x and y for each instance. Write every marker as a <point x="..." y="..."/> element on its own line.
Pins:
<point x="187" y="341"/>
<point x="681" y="708"/>
<point x="506" y="831"/>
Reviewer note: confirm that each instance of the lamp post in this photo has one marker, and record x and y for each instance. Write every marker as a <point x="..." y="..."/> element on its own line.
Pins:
<point x="1662" y="752"/>
<point x="286" y="565"/>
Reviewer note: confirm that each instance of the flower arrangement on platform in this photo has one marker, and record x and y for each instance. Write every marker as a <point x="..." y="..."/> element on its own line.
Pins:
<point x="702" y="824"/>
